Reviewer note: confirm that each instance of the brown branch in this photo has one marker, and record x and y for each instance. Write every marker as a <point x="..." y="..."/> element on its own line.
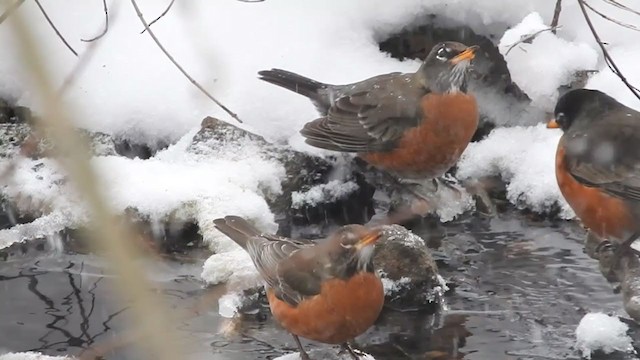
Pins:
<point x="159" y="17"/>
<point x="10" y="10"/>
<point x="608" y="59"/>
<point x="106" y="24"/>
<point x="46" y="16"/>
<point x="556" y="16"/>
<point x="193" y="81"/>
<point x="628" y="26"/>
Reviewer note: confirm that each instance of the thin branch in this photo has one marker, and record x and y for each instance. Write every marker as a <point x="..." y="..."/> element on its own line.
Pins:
<point x="195" y="83"/>
<point x="610" y="63"/>
<point x="10" y="10"/>
<point x="159" y="17"/>
<point x="628" y="26"/>
<point x="623" y="7"/>
<point x="529" y="38"/>
<point x="106" y="24"/>
<point x="46" y="16"/>
<point x="556" y="16"/>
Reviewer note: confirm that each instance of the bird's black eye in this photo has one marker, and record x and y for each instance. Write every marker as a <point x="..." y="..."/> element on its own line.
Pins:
<point x="443" y="53"/>
<point x="561" y="119"/>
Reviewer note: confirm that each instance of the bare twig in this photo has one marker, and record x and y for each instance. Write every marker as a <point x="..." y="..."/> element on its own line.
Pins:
<point x="608" y="59"/>
<point x="623" y="7"/>
<point x="106" y="24"/>
<point x="528" y="39"/>
<point x="628" y="26"/>
<point x="10" y="10"/>
<point x="195" y="83"/>
<point x="556" y="16"/>
<point x="46" y="16"/>
<point x="159" y="17"/>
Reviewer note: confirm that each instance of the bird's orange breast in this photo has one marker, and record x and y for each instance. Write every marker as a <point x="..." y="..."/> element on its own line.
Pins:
<point x="343" y="310"/>
<point x="429" y="150"/>
<point x="607" y="216"/>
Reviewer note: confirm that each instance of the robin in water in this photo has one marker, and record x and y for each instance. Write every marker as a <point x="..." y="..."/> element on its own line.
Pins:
<point x="598" y="165"/>
<point x="327" y="291"/>
<point x="413" y="125"/>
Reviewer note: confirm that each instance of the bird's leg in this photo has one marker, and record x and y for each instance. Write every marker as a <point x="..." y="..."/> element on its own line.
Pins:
<point x="303" y="354"/>
<point x="355" y="354"/>
<point x="621" y="250"/>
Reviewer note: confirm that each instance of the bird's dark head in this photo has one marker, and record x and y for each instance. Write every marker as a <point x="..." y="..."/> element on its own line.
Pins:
<point x="446" y="68"/>
<point x="580" y="107"/>
<point x="352" y="246"/>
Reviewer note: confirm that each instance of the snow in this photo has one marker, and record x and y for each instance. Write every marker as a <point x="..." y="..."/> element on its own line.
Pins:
<point x="323" y="193"/>
<point x="598" y="331"/>
<point x="329" y="353"/>
<point x="31" y="356"/>
<point x="541" y="67"/>
<point x="524" y="157"/>
<point x="129" y="89"/>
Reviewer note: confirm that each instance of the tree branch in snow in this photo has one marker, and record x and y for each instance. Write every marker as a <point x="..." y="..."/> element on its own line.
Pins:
<point x="10" y="10"/>
<point x="193" y="81"/>
<point x="159" y="17"/>
<point x="528" y="39"/>
<point x="106" y="24"/>
<point x="621" y="6"/>
<point x="556" y="16"/>
<point x="608" y="59"/>
<point x="604" y="16"/>
<point x="53" y="26"/>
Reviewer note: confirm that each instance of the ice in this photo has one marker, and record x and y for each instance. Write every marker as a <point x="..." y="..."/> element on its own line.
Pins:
<point x="524" y="157"/>
<point x="228" y="305"/>
<point x="598" y="331"/>
<point x="31" y="356"/>
<point x="330" y="192"/>
<point x="328" y="353"/>
<point x="545" y="64"/>
<point x="232" y="267"/>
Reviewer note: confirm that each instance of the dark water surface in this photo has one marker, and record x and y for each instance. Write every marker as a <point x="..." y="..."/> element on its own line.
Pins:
<point x="523" y="286"/>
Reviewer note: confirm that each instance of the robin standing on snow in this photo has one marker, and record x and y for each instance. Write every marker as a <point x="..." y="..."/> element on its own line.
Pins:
<point x="326" y="292"/>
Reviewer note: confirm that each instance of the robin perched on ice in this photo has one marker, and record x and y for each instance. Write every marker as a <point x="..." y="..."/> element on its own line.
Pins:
<point x="326" y="291"/>
<point x="413" y="125"/>
<point x="598" y="164"/>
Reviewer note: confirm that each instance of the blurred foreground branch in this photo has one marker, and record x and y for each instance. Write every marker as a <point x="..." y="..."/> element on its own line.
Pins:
<point x="150" y="316"/>
<point x="192" y="80"/>
<point x="13" y="7"/>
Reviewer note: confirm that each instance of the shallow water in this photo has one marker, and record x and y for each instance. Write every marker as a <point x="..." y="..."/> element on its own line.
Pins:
<point x="522" y="288"/>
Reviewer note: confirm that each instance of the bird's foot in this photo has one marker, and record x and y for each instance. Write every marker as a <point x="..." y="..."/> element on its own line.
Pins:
<point x="303" y="354"/>
<point x="478" y="190"/>
<point x="354" y="353"/>
<point x="610" y="255"/>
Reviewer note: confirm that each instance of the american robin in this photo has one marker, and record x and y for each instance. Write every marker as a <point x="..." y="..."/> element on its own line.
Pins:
<point x="413" y="125"/>
<point x="326" y="291"/>
<point x="598" y="164"/>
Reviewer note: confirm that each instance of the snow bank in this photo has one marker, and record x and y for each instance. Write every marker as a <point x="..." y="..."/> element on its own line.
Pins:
<point x="31" y="356"/>
<point x="598" y="331"/>
<point x="525" y="159"/>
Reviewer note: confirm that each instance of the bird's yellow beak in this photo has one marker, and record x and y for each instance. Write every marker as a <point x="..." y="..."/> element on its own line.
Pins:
<point x="468" y="54"/>
<point x="368" y="239"/>
<point x="553" y="124"/>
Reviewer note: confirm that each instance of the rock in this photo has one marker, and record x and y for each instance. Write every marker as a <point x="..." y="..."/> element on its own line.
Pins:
<point x="304" y="173"/>
<point x="409" y="273"/>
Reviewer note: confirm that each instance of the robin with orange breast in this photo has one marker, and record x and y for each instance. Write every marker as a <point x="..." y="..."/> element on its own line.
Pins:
<point x="598" y="164"/>
<point x="327" y="291"/>
<point x="412" y="125"/>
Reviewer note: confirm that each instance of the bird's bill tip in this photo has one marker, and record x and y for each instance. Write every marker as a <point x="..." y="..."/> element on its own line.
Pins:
<point x="368" y="239"/>
<point x="553" y="124"/>
<point x="468" y="54"/>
